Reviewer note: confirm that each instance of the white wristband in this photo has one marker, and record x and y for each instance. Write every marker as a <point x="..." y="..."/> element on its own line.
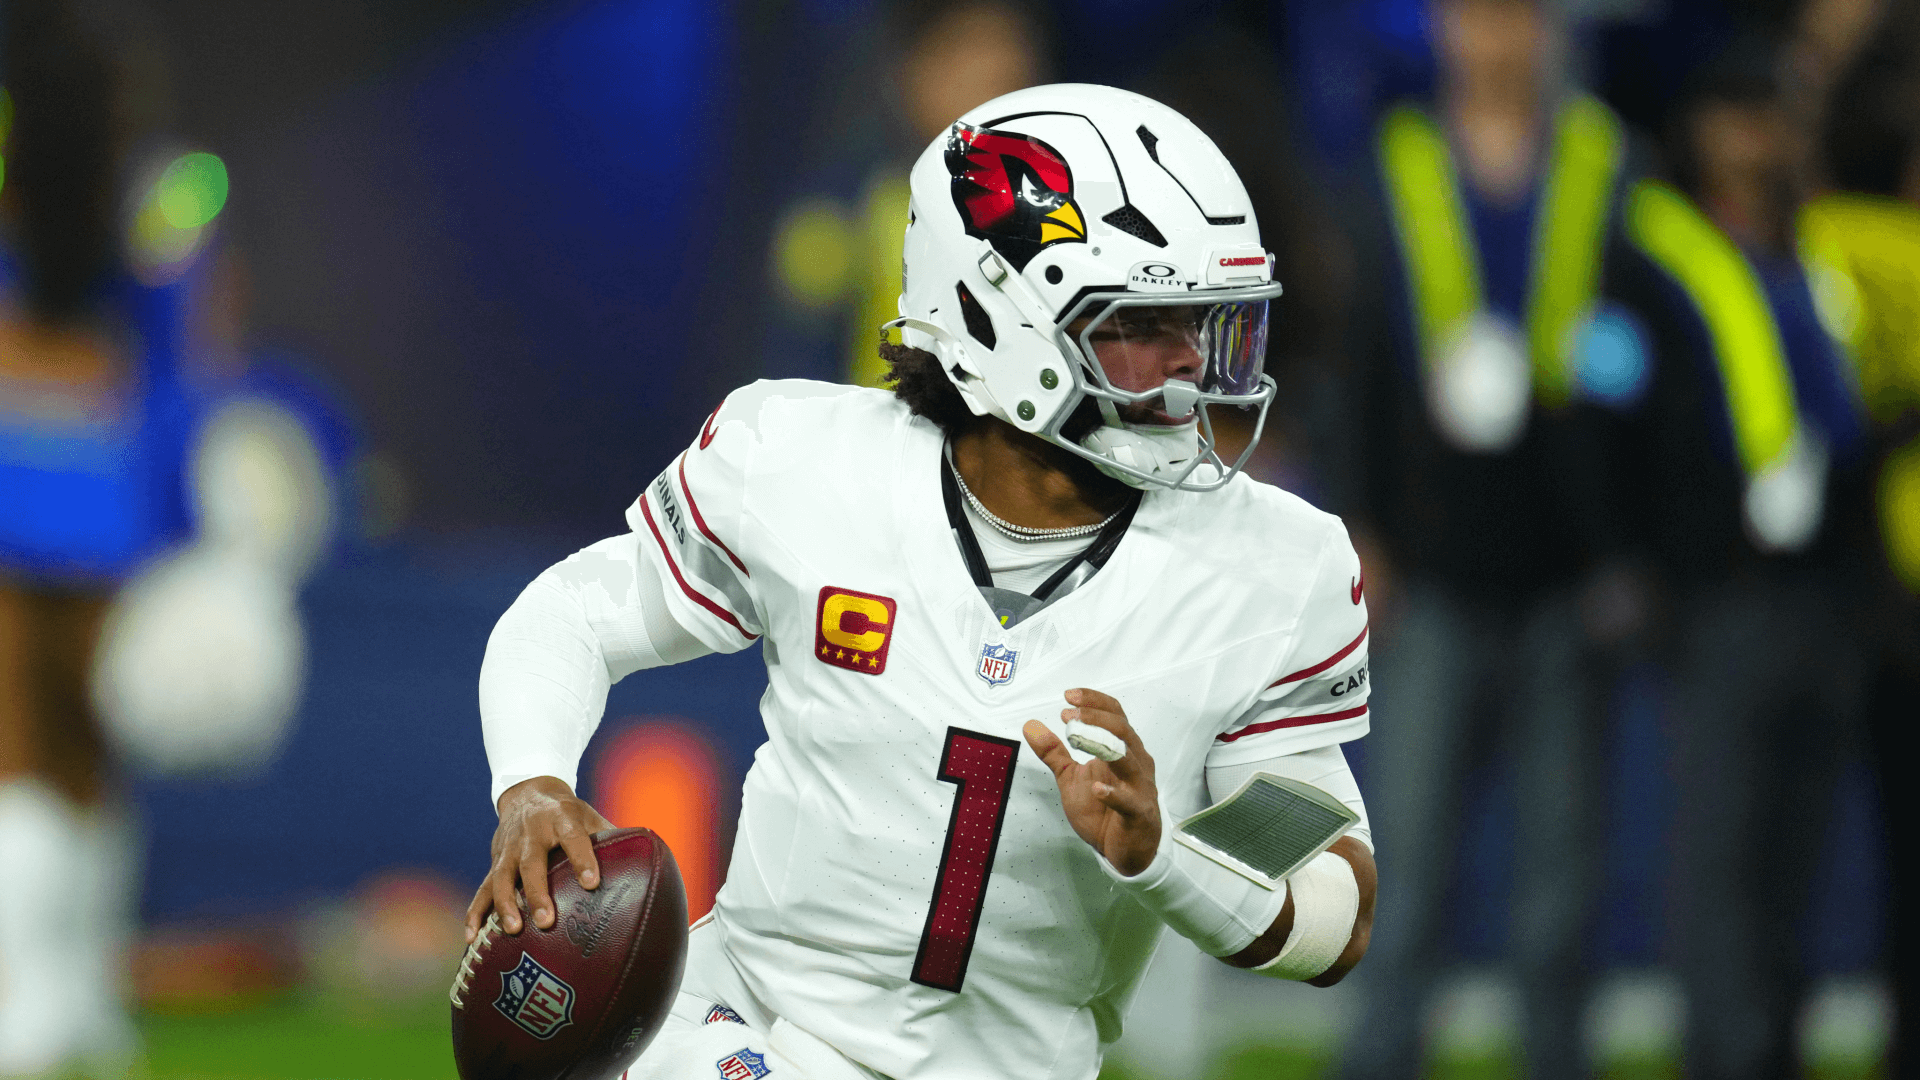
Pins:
<point x="1215" y="908"/>
<point x="1326" y="901"/>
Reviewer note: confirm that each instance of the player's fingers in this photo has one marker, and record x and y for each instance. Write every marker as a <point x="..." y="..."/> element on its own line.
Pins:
<point x="1099" y="710"/>
<point x="1124" y="799"/>
<point x="477" y="909"/>
<point x="1088" y="698"/>
<point x="1053" y="753"/>
<point x="1136" y="766"/>
<point x="533" y="882"/>
<point x="1103" y="711"/>
<point x="578" y="844"/>
<point x="501" y="884"/>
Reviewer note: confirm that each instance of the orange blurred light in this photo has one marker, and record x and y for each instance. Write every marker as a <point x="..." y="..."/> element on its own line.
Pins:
<point x="662" y="773"/>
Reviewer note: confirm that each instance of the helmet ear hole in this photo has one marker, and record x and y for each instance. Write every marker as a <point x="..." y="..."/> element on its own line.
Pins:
<point x="979" y="324"/>
<point x="1054" y="275"/>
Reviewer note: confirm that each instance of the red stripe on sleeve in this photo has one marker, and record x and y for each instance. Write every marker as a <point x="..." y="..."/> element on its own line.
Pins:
<point x="701" y="523"/>
<point x="1308" y="673"/>
<point x="647" y="512"/>
<point x="1291" y="721"/>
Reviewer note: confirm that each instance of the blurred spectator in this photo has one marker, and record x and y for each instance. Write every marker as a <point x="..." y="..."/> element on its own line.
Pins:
<point x="1495" y="560"/>
<point x="92" y="456"/>
<point x="953" y="55"/>
<point x="113" y="454"/>
<point x="1747" y="467"/>
<point x="1862" y="243"/>
<point x="1643" y="54"/>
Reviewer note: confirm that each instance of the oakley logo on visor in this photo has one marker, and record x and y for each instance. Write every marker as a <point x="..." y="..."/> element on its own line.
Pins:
<point x="1155" y="277"/>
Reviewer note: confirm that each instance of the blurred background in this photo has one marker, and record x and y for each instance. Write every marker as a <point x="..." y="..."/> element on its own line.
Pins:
<point x="1602" y="331"/>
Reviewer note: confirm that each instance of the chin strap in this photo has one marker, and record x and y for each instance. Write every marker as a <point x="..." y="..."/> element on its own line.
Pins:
<point x="1154" y="449"/>
<point x="971" y="384"/>
<point x="933" y="330"/>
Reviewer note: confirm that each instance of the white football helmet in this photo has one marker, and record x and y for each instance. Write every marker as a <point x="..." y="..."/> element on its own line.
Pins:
<point x="1077" y="242"/>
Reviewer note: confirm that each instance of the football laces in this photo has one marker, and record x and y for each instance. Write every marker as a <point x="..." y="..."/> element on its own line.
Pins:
<point x="464" y="974"/>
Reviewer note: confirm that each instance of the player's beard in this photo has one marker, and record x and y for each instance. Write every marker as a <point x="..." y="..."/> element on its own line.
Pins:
<point x="1086" y="418"/>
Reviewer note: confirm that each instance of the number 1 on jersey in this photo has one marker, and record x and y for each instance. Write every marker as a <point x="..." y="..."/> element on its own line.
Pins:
<point x="982" y="766"/>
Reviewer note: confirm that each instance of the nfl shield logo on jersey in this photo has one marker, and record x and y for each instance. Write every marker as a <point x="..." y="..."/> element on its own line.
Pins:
<point x="743" y="1064"/>
<point x="535" y="998"/>
<point x="996" y="664"/>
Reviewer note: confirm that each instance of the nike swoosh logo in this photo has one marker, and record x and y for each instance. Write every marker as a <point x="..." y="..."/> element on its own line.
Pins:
<point x="1359" y="586"/>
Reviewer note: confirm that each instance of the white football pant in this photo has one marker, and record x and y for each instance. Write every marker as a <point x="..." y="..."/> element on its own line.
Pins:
<point x="700" y="1042"/>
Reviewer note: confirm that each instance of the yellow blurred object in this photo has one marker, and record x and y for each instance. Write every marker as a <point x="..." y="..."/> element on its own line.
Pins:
<point x="1899" y="504"/>
<point x="1438" y="248"/>
<point x="813" y="253"/>
<point x="1746" y="343"/>
<point x="1863" y="258"/>
<point x="6" y="128"/>
<point x="826" y="255"/>
<point x="1435" y="239"/>
<point x="171" y="223"/>
<point x="883" y="226"/>
<point x="1587" y="147"/>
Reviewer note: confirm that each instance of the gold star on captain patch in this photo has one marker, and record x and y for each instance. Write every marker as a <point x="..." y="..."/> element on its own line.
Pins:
<point x="823" y="649"/>
<point x="856" y="658"/>
<point x="839" y="654"/>
<point x="873" y="662"/>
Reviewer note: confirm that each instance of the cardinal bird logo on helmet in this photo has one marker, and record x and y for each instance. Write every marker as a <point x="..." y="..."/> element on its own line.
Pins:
<point x="1013" y="191"/>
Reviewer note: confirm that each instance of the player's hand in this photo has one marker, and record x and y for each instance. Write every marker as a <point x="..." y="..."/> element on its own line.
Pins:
<point x="536" y="816"/>
<point x="1112" y="805"/>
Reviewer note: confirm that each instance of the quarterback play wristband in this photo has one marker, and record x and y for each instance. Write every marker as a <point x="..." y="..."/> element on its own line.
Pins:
<point x="1326" y="901"/>
<point x="1270" y="827"/>
<point x="1217" y="909"/>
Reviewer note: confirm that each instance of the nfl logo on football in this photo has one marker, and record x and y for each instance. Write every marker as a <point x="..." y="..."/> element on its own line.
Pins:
<point x="743" y="1064"/>
<point x="534" y="998"/>
<point x="996" y="664"/>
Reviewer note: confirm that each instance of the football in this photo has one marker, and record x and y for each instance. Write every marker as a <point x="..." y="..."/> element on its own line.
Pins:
<point x="581" y="1000"/>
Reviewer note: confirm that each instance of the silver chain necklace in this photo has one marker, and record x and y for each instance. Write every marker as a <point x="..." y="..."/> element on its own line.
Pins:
<point x="1021" y="532"/>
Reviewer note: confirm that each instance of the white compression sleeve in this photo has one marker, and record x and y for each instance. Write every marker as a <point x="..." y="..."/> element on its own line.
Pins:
<point x="1324" y="768"/>
<point x="581" y="626"/>
<point x="1218" y="910"/>
<point x="1223" y="912"/>
<point x="1326" y="896"/>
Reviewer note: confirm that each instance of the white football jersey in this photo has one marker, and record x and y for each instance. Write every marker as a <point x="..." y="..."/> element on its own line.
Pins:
<point x="904" y="883"/>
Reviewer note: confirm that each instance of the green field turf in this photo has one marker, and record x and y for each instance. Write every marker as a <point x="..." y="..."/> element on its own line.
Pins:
<point x="318" y="1039"/>
<point x="302" y="1039"/>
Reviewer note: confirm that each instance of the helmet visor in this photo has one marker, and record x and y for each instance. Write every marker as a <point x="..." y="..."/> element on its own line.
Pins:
<point x="1219" y="348"/>
<point x="1234" y="339"/>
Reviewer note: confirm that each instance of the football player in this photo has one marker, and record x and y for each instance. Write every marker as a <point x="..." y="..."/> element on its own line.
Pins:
<point x="926" y="879"/>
